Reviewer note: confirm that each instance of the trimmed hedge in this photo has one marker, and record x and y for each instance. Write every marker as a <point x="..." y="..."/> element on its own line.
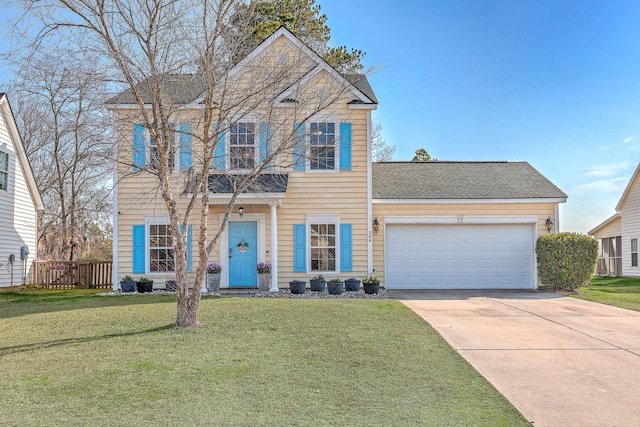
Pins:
<point x="566" y="261"/>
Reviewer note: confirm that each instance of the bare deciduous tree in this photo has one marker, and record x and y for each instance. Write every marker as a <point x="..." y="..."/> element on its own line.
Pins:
<point x="380" y="150"/>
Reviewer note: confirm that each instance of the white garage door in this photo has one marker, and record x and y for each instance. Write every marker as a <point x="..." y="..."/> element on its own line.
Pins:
<point x="475" y="256"/>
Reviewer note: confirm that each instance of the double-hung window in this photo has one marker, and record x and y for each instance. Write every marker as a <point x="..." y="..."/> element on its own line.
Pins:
<point x="242" y="146"/>
<point x="323" y="246"/>
<point x="634" y="252"/>
<point x="161" y="254"/>
<point x="322" y="146"/>
<point x="4" y="171"/>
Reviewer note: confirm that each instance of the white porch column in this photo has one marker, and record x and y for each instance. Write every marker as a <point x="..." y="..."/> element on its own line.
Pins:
<point x="274" y="249"/>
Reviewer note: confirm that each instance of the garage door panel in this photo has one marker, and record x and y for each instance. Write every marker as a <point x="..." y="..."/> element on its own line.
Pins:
<point x="459" y="256"/>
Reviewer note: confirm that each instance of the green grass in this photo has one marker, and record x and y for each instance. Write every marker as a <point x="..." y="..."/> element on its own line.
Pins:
<point x="618" y="291"/>
<point x="73" y="359"/>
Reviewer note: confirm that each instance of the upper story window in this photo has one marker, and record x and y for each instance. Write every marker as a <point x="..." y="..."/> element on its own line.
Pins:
<point x="4" y="171"/>
<point x="145" y="147"/>
<point x="242" y="145"/>
<point x="322" y="146"/>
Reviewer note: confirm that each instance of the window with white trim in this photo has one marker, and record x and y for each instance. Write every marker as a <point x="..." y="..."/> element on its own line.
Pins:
<point x="154" y="155"/>
<point x="242" y="146"/>
<point x="161" y="254"/>
<point x="4" y="171"/>
<point x="634" y="252"/>
<point x="323" y="250"/>
<point x="322" y="146"/>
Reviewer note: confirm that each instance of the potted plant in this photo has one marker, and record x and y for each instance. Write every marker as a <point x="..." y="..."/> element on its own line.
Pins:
<point x="144" y="284"/>
<point x="297" y="286"/>
<point x="318" y="283"/>
<point x="352" y="285"/>
<point x="264" y="276"/>
<point x="335" y="286"/>
<point x="371" y="284"/>
<point x="213" y="277"/>
<point x="127" y="284"/>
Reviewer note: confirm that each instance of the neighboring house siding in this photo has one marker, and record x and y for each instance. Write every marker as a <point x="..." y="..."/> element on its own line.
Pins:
<point x="380" y="210"/>
<point x="613" y="229"/>
<point x="630" y="226"/>
<point x="18" y="217"/>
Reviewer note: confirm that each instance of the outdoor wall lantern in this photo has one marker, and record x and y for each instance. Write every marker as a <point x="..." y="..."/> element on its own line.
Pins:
<point x="240" y="211"/>
<point x="549" y="224"/>
<point x="376" y="225"/>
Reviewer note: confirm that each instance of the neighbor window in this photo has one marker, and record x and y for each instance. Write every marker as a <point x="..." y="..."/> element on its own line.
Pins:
<point x="161" y="253"/>
<point x="634" y="252"/>
<point x="322" y="138"/>
<point x="242" y="146"/>
<point x="323" y="247"/>
<point x="4" y="171"/>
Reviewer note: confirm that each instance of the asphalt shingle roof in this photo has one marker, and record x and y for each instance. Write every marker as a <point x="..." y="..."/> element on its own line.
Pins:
<point x="461" y="180"/>
<point x="265" y="183"/>
<point x="179" y="89"/>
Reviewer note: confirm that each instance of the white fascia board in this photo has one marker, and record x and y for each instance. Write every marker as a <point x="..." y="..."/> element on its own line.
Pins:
<point x="627" y="190"/>
<point x="460" y="219"/>
<point x="363" y="106"/>
<point x="251" y="199"/>
<point x="464" y="201"/>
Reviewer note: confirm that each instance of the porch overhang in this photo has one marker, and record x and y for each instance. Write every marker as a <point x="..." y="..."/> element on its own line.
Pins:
<point x="269" y="188"/>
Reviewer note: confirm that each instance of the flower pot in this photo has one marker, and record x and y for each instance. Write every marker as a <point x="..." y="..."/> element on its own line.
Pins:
<point x="170" y="285"/>
<point x="143" y="287"/>
<point x="335" y="288"/>
<point x="352" y="285"/>
<point x="264" y="281"/>
<point x="371" y="288"/>
<point x="127" y="286"/>
<point x="317" y="285"/>
<point x="213" y="282"/>
<point x="297" y="287"/>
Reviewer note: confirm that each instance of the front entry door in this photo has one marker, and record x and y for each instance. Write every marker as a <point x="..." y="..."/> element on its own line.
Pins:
<point x="243" y="253"/>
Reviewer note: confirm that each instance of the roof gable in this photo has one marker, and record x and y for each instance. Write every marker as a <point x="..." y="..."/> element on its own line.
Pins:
<point x="462" y="181"/>
<point x="613" y="221"/>
<point x="631" y="187"/>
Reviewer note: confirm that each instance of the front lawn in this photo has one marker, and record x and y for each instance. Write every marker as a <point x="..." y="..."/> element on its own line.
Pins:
<point x="73" y="359"/>
<point x="618" y="291"/>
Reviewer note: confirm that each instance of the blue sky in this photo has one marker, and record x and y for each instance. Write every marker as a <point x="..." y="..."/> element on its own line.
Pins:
<point x="552" y="82"/>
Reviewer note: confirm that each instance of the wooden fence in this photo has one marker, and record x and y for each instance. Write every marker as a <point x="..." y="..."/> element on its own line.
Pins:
<point x="73" y="274"/>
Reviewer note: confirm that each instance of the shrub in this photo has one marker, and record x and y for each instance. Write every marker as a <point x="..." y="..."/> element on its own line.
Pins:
<point x="566" y="261"/>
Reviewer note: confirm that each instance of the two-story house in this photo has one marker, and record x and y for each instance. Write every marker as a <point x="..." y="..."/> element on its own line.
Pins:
<point x="322" y="207"/>
<point x="19" y="204"/>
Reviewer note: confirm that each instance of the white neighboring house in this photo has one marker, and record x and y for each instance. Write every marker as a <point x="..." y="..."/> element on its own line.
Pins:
<point x="619" y="234"/>
<point x="19" y="204"/>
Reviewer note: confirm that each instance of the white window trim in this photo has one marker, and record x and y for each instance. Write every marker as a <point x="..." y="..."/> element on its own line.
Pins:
<point x="631" y="252"/>
<point x="323" y="118"/>
<point x="322" y="219"/>
<point x="148" y="221"/>
<point x="256" y="144"/>
<point x="176" y="146"/>
<point x="7" y="171"/>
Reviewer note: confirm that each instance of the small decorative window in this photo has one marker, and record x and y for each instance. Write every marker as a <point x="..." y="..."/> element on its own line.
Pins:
<point x="322" y="155"/>
<point x="323" y="247"/>
<point x="634" y="252"/>
<point x="161" y="253"/>
<point x="4" y="171"/>
<point x="242" y="146"/>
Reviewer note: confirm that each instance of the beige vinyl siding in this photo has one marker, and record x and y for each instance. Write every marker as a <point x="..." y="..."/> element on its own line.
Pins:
<point x="613" y="229"/>
<point x="18" y="216"/>
<point x="630" y="226"/>
<point x="494" y="210"/>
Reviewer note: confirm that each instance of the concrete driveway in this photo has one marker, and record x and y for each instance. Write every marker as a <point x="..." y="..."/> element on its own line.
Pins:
<point x="560" y="361"/>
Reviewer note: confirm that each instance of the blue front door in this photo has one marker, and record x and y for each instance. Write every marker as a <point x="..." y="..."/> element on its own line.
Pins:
<point x="243" y="253"/>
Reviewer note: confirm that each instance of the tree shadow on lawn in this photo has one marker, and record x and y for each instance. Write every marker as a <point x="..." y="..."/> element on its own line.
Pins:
<point x="4" y="351"/>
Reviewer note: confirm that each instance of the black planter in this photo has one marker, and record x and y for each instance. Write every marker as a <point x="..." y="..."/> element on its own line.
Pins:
<point x="352" y="285"/>
<point x="143" y="287"/>
<point x="335" y="288"/>
<point x="317" y="285"/>
<point x="127" y="286"/>
<point x="297" y="287"/>
<point x="371" y="288"/>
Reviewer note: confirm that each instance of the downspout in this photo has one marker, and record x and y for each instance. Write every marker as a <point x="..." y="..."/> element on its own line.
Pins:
<point x="369" y="197"/>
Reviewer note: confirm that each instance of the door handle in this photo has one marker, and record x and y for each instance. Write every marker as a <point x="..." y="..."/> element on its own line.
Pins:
<point x="230" y="252"/>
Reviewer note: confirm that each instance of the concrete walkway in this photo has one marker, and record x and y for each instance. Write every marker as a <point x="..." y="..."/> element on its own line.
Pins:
<point x="560" y="361"/>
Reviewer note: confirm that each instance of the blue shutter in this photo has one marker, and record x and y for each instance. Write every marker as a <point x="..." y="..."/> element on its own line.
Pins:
<point x="185" y="146"/>
<point x="139" y="147"/>
<point x="345" y="146"/>
<point x="300" y="248"/>
<point x="189" y="255"/>
<point x="300" y="131"/>
<point x="219" y="161"/>
<point x="139" y="263"/>
<point x="346" y="249"/>
<point x="265" y="143"/>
